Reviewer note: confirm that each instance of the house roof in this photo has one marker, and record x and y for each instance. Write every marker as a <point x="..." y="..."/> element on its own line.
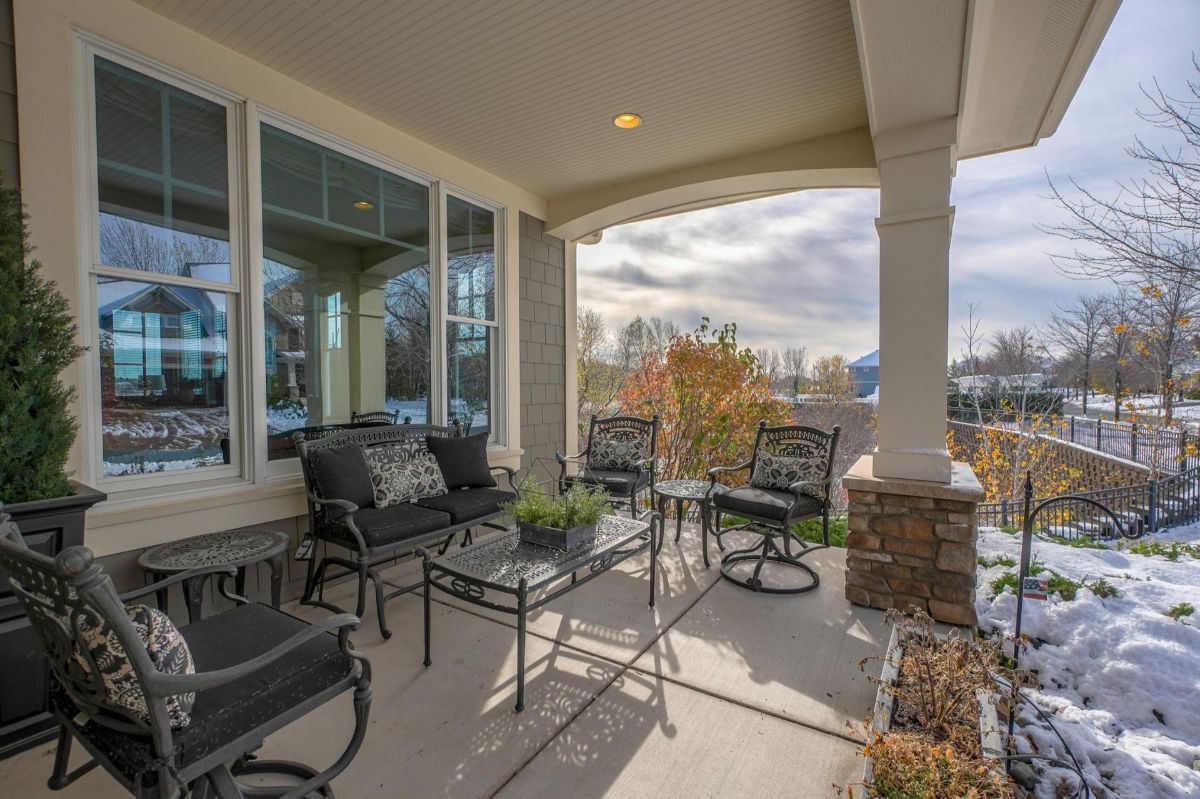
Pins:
<point x="870" y="359"/>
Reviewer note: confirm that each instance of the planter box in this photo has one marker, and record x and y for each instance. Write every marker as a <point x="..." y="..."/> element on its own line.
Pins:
<point x="557" y="538"/>
<point x="989" y="724"/>
<point x="48" y="526"/>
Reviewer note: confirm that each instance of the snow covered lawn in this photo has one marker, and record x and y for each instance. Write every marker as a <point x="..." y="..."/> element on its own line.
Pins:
<point x="1120" y="677"/>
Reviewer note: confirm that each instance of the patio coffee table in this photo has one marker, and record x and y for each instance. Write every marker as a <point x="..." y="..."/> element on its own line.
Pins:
<point x="507" y="567"/>
<point x="683" y="491"/>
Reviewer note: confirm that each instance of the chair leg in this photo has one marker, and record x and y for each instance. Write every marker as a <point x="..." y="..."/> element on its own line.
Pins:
<point x="310" y="572"/>
<point x="223" y="784"/>
<point x="362" y="588"/>
<point x="380" y="606"/>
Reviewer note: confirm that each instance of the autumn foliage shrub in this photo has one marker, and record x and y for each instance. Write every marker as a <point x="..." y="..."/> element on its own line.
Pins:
<point x="710" y="396"/>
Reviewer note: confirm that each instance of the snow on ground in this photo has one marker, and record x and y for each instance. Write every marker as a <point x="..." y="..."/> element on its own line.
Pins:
<point x="1182" y="410"/>
<point x="1120" y="678"/>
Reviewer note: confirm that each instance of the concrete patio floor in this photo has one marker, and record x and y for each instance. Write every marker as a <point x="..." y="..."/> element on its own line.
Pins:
<point x="716" y="692"/>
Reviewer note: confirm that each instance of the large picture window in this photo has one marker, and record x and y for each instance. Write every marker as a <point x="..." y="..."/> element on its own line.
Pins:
<point x="163" y="229"/>
<point x="345" y="290"/>
<point x="379" y="286"/>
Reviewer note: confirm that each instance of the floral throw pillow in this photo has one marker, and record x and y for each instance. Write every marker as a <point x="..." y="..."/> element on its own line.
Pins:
<point x="780" y="471"/>
<point x="398" y="477"/>
<point x="608" y="453"/>
<point x="167" y="649"/>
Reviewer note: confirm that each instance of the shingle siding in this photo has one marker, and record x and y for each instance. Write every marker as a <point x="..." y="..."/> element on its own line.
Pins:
<point x="9" y="162"/>
<point x="543" y="344"/>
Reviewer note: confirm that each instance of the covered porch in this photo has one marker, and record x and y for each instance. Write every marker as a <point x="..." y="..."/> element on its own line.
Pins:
<point x="713" y="693"/>
<point x="379" y="208"/>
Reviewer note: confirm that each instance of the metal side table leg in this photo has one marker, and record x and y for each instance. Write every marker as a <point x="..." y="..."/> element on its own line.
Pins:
<point x="522" y="600"/>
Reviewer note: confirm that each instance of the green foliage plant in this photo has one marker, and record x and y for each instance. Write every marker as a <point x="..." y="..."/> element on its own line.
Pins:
<point x="37" y="341"/>
<point x="578" y="507"/>
<point x="1181" y="611"/>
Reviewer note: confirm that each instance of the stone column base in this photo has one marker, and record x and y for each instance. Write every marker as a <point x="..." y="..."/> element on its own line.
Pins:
<point x="912" y="543"/>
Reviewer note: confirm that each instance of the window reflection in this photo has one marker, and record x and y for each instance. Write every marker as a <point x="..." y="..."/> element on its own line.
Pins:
<point x="345" y="290"/>
<point x="163" y="372"/>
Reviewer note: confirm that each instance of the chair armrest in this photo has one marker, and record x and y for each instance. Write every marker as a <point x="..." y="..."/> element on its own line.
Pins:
<point x="716" y="471"/>
<point x="796" y="487"/>
<point x="164" y="685"/>
<point x="223" y="572"/>
<point x="511" y="474"/>
<point x="344" y="504"/>
<point x="561" y="458"/>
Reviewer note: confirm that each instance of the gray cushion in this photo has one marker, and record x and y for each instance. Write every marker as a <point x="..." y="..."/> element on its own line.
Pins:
<point x="469" y="503"/>
<point x="618" y="483"/>
<point x="384" y="526"/>
<point x="608" y="453"/>
<point x="780" y="471"/>
<point x="342" y="473"/>
<point x="765" y="502"/>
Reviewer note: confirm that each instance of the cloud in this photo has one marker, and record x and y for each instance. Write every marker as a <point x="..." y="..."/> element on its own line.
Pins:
<point x="802" y="269"/>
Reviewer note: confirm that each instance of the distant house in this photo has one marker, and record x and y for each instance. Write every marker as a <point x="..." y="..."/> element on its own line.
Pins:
<point x="865" y="374"/>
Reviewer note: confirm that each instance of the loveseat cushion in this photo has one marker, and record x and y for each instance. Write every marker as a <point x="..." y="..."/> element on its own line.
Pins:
<point x="383" y="526"/>
<point x="616" y="482"/>
<point x="227" y="712"/>
<point x="342" y="473"/>
<point x="463" y="460"/>
<point x="765" y="502"/>
<point x="469" y="503"/>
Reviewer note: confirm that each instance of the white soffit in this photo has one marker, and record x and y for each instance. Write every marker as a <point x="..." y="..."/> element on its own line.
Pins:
<point x="527" y="89"/>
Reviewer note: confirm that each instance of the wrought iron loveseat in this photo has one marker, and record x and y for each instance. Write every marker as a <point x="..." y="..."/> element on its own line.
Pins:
<point x="372" y="535"/>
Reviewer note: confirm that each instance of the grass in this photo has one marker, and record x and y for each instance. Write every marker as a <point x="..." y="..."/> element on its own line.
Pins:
<point x="1077" y="543"/>
<point x="1065" y="587"/>
<point x="1171" y="550"/>
<point x="1181" y="611"/>
<point x="810" y="529"/>
<point x="1104" y="589"/>
<point x="999" y="560"/>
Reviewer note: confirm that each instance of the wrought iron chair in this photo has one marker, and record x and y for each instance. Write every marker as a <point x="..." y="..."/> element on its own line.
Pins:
<point x="634" y="443"/>
<point x="791" y="474"/>
<point x="377" y="417"/>
<point x="373" y="536"/>
<point x="257" y="670"/>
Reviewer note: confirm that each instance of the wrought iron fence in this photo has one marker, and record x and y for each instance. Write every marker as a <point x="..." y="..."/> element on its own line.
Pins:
<point x="1143" y="508"/>
<point x="1166" y="449"/>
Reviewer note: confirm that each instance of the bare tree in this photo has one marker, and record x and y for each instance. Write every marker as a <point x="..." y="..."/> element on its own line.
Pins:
<point x="601" y="367"/>
<point x="1150" y="226"/>
<point x="831" y="378"/>
<point x="771" y="363"/>
<point x="1075" y="329"/>
<point x="795" y="368"/>
<point x="642" y="337"/>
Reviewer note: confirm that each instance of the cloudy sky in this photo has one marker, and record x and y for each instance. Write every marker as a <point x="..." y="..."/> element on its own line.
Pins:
<point x="802" y="269"/>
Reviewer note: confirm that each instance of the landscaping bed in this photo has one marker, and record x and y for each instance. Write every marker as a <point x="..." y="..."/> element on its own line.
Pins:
<point x="1115" y="652"/>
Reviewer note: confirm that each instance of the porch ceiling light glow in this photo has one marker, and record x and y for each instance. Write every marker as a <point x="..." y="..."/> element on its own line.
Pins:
<point x="627" y="121"/>
<point x="363" y="205"/>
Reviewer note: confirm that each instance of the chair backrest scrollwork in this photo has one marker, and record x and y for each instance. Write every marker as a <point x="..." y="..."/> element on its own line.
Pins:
<point x="375" y="417"/>
<point x="626" y="429"/>
<point x="797" y="441"/>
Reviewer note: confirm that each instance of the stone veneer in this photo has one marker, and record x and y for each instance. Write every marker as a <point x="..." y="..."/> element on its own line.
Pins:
<point x="912" y="543"/>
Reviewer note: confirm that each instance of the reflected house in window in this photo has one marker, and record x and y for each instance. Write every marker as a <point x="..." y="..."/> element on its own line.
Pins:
<point x="283" y="323"/>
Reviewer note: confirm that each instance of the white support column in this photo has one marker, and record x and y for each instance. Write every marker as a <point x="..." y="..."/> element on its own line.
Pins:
<point x="914" y="263"/>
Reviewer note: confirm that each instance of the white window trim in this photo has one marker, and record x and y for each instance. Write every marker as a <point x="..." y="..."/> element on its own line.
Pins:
<point x="88" y="49"/>
<point x="246" y="394"/>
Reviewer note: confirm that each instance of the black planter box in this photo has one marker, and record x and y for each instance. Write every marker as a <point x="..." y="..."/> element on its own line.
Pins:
<point x="554" y="537"/>
<point x="48" y="526"/>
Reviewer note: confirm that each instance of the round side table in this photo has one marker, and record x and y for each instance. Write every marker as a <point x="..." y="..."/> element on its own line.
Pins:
<point x="683" y="491"/>
<point x="237" y="548"/>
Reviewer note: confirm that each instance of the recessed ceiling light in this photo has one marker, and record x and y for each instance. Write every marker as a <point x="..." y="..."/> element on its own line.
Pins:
<point x="627" y="121"/>
<point x="363" y="205"/>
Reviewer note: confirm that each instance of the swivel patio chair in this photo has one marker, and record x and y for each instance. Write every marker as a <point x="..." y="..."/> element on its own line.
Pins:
<point x="791" y="473"/>
<point x="166" y="710"/>
<point x="619" y="457"/>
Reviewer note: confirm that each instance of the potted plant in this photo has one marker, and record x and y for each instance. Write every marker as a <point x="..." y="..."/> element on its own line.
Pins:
<point x="37" y="341"/>
<point x="563" y="522"/>
<point x="934" y="729"/>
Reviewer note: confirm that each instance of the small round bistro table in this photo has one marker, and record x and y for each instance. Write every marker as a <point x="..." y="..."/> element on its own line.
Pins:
<point x="237" y="548"/>
<point x="683" y="491"/>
